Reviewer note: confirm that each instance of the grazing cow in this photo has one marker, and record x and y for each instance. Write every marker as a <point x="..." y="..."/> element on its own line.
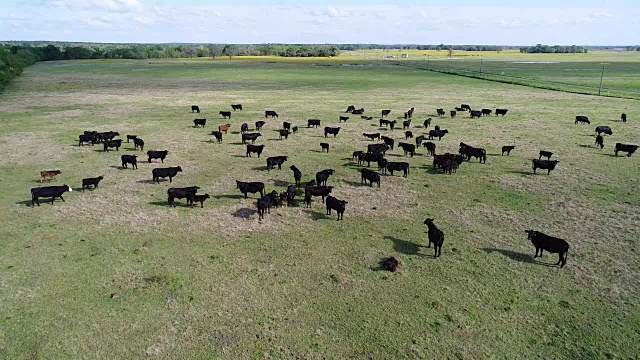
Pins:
<point x="371" y="176"/>
<point x="199" y="122"/>
<point x="377" y="148"/>
<point x="385" y="112"/>
<point x="406" y="124"/>
<point x="604" y="129"/>
<point x="244" y="128"/>
<point x="437" y="133"/>
<point x="486" y="112"/>
<point x="324" y="147"/>
<point x="440" y="161"/>
<point x="388" y="141"/>
<point x="236" y="107"/>
<point x="382" y="165"/>
<point x="545" y="165"/>
<point x="476" y="114"/>
<point x="460" y="109"/>
<point x="389" y="264"/>
<point x="323" y="176"/>
<point x="502" y="112"/>
<point x="582" y="119"/>
<point x="384" y="122"/>
<point x="369" y="157"/>
<point x="331" y="130"/>
<point x="629" y="149"/>
<point x="343" y="118"/>
<point x="265" y="203"/>
<point x="131" y="137"/>
<point x="419" y="140"/>
<point x="88" y="138"/>
<point x="88" y="182"/>
<point x="275" y="160"/>
<point x="356" y="154"/>
<point x="440" y="112"/>
<point x="436" y="236"/>
<point x="200" y="198"/>
<point x="313" y="123"/>
<point x="437" y="128"/>
<point x="112" y="144"/>
<point x="250" y="137"/>
<point x="350" y="108"/>
<point x="259" y="125"/>
<point x="358" y="112"/>
<point x="392" y="124"/>
<point x="52" y="192"/>
<point x="297" y="174"/>
<point x="449" y="167"/>
<point x="547" y="154"/>
<point x="313" y="190"/>
<point x="408" y="148"/>
<point x="427" y="123"/>
<point x="366" y="117"/>
<point x="157" y="155"/>
<point x="465" y="107"/>
<point x="218" y="136"/>
<point x="294" y="129"/>
<point x="337" y="205"/>
<point x="286" y="125"/>
<point x="169" y="172"/>
<point x="250" y="187"/>
<point x="623" y="117"/>
<point x="551" y="244"/>
<point x="270" y="113"/>
<point x="600" y="141"/>
<point x="507" y="149"/>
<point x="195" y="108"/>
<point x="224" y="128"/>
<point x="129" y="159"/>
<point x="431" y="148"/>
<point x="181" y="193"/>
<point x="254" y="149"/>
<point x="408" y="135"/>
<point x="48" y="174"/>
<point x="291" y="194"/>
<point x="372" y="136"/>
<point x="409" y="113"/>
<point x="105" y="136"/>
<point x="398" y="166"/>
<point x="284" y="134"/>
<point x="452" y="113"/>
<point x="470" y="151"/>
<point x="138" y="144"/>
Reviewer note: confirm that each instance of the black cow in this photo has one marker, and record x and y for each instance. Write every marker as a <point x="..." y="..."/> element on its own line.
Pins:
<point x="236" y="107"/>
<point x="270" y="113"/>
<point x="291" y="194"/>
<point x="199" y="122"/>
<point x="465" y="107"/>
<point x="250" y="187"/>
<point x="343" y="118"/>
<point x="623" y="117"/>
<point x="286" y="125"/>
<point x="169" y="172"/>
<point x="331" y="130"/>
<point x="452" y="113"/>
<point x="156" y="154"/>
<point x="297" y="174"/>
<point x="377" y="148"/>
<point x="259" y="125"/>
<point x="129" y="159"/>
<point x="544" y="164"/>
<point x="547" y="154"/>
<point x="52" y="192"/>
<point x="313" y="123"/>
<point x="225" y="114"/>
<point x="358" y="112"/>
<point x="431" y="148"/>
<point x="250" y="137"/>
<point x="199" y="198"/>
<point x="460" y="109"/>
<point x="324" y="147"/>
<point x="389" y="264"/>
<point x="629" y="149"/>
<point x="244" y="128"/>
<point x="284" y="133"/>
<point x="313" y="190"/>
<point x="600" y="141"/>
<point x="384" y="122"/>
<point x="106" y="136"/>
<point x="371" y="176"/>
<point x="356" y="154"/>
<point x="294" y="129"/>
<point x="388" y="141"/>
<point x="131" y="137"/>
<point x="476" y="114"/>
<point x="604" y="129"/>
<point x="427" y="123"/>
<point x="436" y="236"/>
<point x="409" y="113"/>
<point x="392" y="124"/>
<point x="195" y="108"/>
<point x="385" y="112"/>
<point x="408" y="135"/>
<point x="470" y="151"/>
<point x="88" y="182"/>
<point x="337" y="205"/>
<point x="382" y="165"/>
<point x="440" y="112"/>
<point x="366" y="117"/>
<point x="406" y="124"/>
<point x="275" y="160"/>
<point x="87" y="138"/>
<point x="350" y="108"/>
<point x="551" y="244"/>
<point x="507" y="149"/>
<point x="218" y="136"/>
<point x="437" y="133"/>
<point x="582" y="119"/>
<point x="419" y="140"/>
<point x="369" y="157"/>
<point x="138" y="144"/>
<point x="112" y="144"/>
<point x="408" y="148"/>
<point x="181" y="193"/>
<point x="398" y="166"/>
<point x="502" y="112"/>
<point x="322" y="176"/>
<point x="486" y="112"/>
<point x="254" y="149"/>
<point x="372" y="136"/>
<point x="439" y="161"/>
<point x="265" y="203"/>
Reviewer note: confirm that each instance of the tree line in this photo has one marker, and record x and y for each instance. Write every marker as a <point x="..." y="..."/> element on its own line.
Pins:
<point x="555" y="49"/>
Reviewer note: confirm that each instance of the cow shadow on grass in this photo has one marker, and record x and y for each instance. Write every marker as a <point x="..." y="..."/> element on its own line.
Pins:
<point x="228" y="196"/>
<point x="317" y="215"/>
<point x="316" y="151"/>
<point x="516" y="256"/>
<point x="277" y="182"/>
<point x="160" y="203"/>
<point x="237" y="143"/>
<point x="353" y="183"/>
<point x="494" y="154"/>
<point x="405" y="247"/>
<point x="117" y="167"/>
<point x="611" y="155"/>
<point x="244" y="213"/>
<point x="239" y="156"/>
<point x="149" y="181"/>
<point x="520" y="172"/>
<point x="260" y="168"/>
<point x="28" y="203"/>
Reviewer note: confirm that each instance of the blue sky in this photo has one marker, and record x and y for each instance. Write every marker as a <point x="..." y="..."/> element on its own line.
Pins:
<point x="585" y="22"/>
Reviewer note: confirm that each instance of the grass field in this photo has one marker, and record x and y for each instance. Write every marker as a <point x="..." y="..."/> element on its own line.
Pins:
<point x="116" y="273"/>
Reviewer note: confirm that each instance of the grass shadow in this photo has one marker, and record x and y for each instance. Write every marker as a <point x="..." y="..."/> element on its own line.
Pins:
<point x="159" y="203"/>
<point x="520" y="172"/>
<point x="261" y="168"/>
<point x="516" y="256"/>
<point x="277" y="182"/>
<point x="244" y="213"/>
<point x="354" y="183"/>
<point x="149" y="181"/>
<point x="317" y="151"/>
<point x="240" y="156"/>
<point x="405" y="247"/>
<point x="237" y="143"/>
<point x="316" y="215"/>
<point x="611" y="155"/>
<point x="117" y="167"/>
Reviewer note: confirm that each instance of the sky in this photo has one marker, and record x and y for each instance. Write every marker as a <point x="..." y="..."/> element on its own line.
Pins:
<point x="496" y="22"/>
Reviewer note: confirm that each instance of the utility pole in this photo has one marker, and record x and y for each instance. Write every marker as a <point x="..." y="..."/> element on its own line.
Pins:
<point x="601" y="76"/>
<point x="480" y="65"/>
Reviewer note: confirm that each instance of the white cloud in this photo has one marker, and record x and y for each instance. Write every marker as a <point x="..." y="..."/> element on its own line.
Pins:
<point x="143" y="20"/>
<point x="96" y="22"/>
<point x="109" y="5"/>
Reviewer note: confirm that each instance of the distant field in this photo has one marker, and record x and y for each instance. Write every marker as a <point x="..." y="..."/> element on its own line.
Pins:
<point x="116" y="273"/>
